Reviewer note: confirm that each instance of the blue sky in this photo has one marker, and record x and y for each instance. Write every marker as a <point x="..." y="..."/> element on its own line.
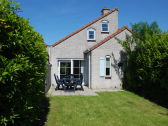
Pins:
<point x="55" y="19"/>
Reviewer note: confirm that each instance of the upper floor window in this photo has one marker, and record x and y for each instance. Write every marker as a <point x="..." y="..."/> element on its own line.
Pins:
<point x="105" y="26"/>
<point x="91" y="34"/>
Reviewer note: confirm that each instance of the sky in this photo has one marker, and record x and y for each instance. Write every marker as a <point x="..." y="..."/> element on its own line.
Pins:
<point x="55" y="19"/>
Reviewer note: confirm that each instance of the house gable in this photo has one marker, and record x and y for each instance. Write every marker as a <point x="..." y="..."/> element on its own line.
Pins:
<point x="76" y="43"/>
<point x="85" y="26"/>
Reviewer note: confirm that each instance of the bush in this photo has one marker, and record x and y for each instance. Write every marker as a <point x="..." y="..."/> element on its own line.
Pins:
<point x="147" y="67"/>
<point x="23" y="60"/>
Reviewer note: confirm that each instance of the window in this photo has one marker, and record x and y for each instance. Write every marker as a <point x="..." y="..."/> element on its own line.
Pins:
<point x="105" y="67"/>
<point x="91" y="34"/>
<point x="108" y="62"/>
<point x="65" y="68"/>
<point x="105" y="27"/>
<point x="70" y="67"/>
<point x="77" y="68"/>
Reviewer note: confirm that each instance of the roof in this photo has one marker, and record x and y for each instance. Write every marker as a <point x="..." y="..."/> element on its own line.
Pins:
<point x="85" y="26"/>
<point x="108" y="38"/>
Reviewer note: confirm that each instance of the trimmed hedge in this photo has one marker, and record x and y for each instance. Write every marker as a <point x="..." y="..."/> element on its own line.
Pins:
<point x="147" y="67"/>
<point x="23" y="60"/>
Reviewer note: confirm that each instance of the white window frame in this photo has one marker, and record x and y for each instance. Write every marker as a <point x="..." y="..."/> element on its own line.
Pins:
<point x="91" y="29"/>
<point x="70" y="60"/>
<point x="106" y="66"/>
<point x="80" y="67"/>
<point x="104" y="22"/>
<point x="59" y="63"/>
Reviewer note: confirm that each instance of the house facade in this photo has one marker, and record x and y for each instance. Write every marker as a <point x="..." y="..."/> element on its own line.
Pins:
<point x="93" y="51"/>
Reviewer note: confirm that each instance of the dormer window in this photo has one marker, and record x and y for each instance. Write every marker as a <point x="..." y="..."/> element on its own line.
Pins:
<point x="105" y="26"/>
<point x="91" y="34"/>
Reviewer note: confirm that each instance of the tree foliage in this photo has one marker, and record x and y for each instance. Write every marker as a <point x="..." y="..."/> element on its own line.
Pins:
<point x="147" y="66"/>
<point x="22" y="68"/>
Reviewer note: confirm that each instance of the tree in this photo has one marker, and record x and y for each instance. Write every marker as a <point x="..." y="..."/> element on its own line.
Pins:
<point x="147" y="72"/>
<point x="23" y="60"/>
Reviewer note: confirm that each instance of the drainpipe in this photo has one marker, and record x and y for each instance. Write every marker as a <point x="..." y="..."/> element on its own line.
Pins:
<point x="90" y="70"/>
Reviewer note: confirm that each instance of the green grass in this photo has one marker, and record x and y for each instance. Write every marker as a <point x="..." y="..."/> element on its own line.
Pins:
<point x="108" y="109"/>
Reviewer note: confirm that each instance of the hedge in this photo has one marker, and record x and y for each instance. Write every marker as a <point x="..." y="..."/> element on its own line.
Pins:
<point x="23" y="60"/>
<point x="147" y="67"/>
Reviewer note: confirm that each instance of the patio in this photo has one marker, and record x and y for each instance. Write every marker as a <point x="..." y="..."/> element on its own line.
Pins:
<point x="86" y="92"/>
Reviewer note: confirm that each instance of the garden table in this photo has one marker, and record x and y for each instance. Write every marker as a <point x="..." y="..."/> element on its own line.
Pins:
<point x="69" y="81"/>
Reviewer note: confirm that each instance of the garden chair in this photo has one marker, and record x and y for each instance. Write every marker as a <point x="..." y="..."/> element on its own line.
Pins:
<point x="79" y="81"/>
<point x="58" y="82"/>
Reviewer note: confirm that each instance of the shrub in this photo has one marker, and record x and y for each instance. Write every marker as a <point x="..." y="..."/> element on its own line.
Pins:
<point x="147" y="71"/>
<point x="22" y="68"/>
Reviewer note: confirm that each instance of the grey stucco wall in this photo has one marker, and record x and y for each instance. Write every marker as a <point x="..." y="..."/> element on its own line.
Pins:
<point x="74" y="46"/>
<point x="114" y="49"/>
<point x="86" y="69"/>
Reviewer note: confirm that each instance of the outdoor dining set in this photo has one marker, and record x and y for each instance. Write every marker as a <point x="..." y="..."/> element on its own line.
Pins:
<point x="68" y="82"/>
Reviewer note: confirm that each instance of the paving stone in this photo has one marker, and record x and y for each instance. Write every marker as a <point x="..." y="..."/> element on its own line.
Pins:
<point x="85" y="92"/>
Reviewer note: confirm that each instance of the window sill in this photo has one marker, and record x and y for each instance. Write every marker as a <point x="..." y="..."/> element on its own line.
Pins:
<point x="107" y="77"/>
<point x="90" y="40"/>
<point x="105" y="32"/>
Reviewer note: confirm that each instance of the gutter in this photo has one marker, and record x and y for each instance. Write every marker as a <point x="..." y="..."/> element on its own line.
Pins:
<point x="90" y="70"/>
<point x="86" y="51"/>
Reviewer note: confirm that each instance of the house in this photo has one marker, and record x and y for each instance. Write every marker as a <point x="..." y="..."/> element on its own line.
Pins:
<point x="92" y="50"/>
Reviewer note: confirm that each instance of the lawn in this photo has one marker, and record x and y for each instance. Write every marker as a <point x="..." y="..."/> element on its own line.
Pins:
<point x="108" y="109"/>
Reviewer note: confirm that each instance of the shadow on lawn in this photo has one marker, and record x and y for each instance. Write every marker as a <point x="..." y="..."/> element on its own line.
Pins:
<point x="160" y="97"/>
